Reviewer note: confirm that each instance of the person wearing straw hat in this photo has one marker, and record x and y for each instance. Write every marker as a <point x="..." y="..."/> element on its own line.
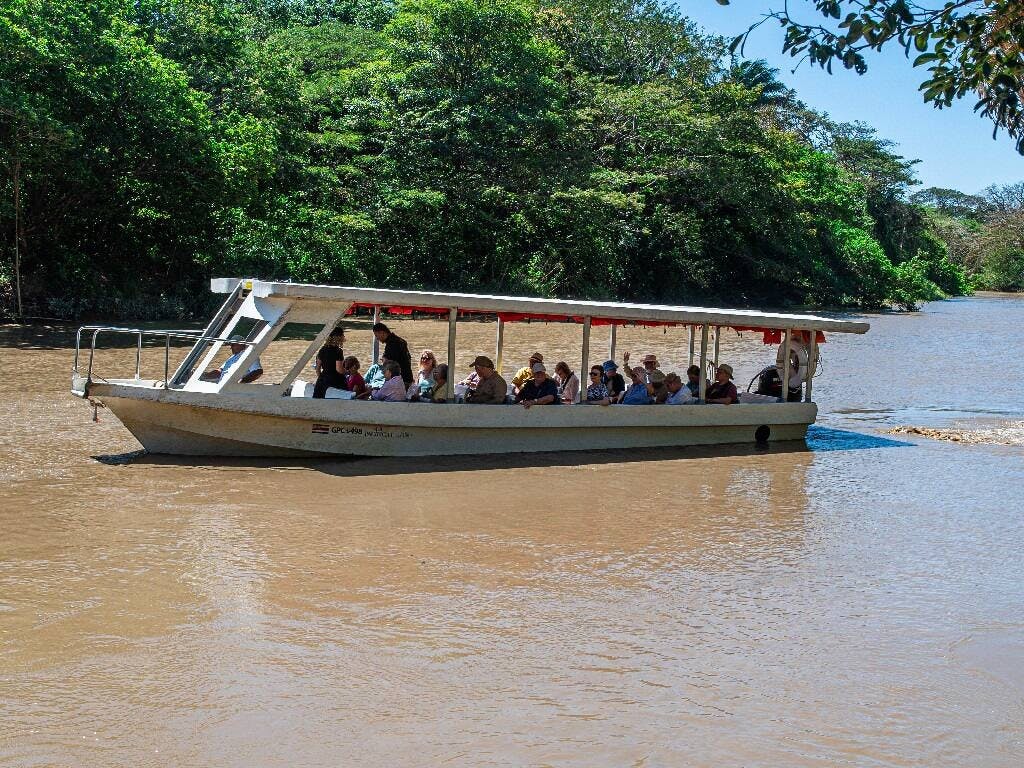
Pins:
<point x="723" y="391"/>
<point x="490" y="389"/>
<point x="652" y="375"/>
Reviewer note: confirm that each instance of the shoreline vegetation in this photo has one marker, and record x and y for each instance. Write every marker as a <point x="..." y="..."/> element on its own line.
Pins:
<point x="597" y="149"/>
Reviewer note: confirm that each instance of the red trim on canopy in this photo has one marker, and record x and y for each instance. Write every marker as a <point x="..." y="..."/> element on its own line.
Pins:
<point x="769" y="335"/>
<point x="774" y="336"/>
<point x="402" y="310"/>
<point x="423" y="310"/>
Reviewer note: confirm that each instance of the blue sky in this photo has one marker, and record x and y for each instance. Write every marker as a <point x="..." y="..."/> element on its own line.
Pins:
<point x="954" y="145"/>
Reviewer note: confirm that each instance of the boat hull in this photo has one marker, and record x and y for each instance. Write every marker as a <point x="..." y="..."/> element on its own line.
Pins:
<point x="202" y="424"/>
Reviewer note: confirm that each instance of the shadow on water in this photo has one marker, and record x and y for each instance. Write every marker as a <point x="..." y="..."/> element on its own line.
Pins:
<point x="819" y="439"/>
<point x="60" y="335"/>
<point x="56" y="335"/>
<point x="402" y="465"/>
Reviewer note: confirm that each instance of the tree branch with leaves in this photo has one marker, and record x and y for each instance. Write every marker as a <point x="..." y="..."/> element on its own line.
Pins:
<point x="968" y="47"/>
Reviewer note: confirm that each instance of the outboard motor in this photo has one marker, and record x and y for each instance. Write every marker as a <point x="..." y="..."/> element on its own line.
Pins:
<point x="769" y="383"/>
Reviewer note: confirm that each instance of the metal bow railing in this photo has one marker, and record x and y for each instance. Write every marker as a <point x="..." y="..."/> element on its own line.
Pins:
<point x="139" y="333"/>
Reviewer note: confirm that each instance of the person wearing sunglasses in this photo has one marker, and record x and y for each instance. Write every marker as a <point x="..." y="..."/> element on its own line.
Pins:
<point x="597" y="392"/>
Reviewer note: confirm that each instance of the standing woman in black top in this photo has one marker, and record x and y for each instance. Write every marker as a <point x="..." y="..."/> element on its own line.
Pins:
<point x="330" y="372"/>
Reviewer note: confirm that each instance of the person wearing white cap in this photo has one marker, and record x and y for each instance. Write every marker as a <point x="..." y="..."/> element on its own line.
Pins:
<point x="237" y="348"/>
<point x="524" y="374"/>
<point x="540" y="390"/>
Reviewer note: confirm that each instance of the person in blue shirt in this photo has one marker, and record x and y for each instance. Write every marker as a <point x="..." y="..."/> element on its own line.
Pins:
<point x="374" y="376"/>
<point x="639" y="392"/>
<point x="677" y="394"/>
<point x="540" y="390"/>
<point x="693" y="380"/>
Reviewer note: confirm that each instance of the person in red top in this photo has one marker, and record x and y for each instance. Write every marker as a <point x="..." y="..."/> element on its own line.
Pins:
<point x="354" y="381"/>
<point x="723" y="391"/>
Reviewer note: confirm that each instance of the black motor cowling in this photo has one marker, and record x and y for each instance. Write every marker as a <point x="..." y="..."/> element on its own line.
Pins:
<point x="770" y="383"/>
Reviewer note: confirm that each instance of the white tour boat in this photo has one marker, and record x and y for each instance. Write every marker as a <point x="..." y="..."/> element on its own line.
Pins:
<point x="186" y="415"/>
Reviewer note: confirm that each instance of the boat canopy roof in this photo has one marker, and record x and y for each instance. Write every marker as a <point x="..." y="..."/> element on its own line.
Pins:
<point x="514" y="308"/>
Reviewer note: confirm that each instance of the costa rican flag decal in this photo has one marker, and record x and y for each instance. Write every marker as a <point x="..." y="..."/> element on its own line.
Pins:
<point x="321" y="429"/>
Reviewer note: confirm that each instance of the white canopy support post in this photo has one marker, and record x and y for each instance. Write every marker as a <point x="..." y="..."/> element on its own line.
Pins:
<point x="499" y="345"/>
<point x="689" y="332"/>
<point x="585" y="364"/>
<point x="718" y="337"/>
<point x="611" y="341"/>
<point x="703" y="362"/>
<point x="453" y="316"/>
<point x="812" y="363"/>
<point x="376" y="344"/>
<point x="786" y="366"/>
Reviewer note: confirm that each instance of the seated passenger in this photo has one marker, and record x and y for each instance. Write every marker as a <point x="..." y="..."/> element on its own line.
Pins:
<point x="723" y="391"/>
<point x="693" y="380"/>
<point x="597" y="392"/>
<point x="651" y="373"/>
<point x="354" y="382"/>
<point x="639" y="392"/>
<point x="425" y="375"/>
<point x="613" y="379"/>
<point x="439" y="392"/>
<point x="237" y="348"/>
<point x="491" y="389"/>
<point x="568" y="383"/>
<point x="375" y="374"/>
<point x="540" y="390"/>
<point x="525" y="373"/>
<point x="677" y="394"/>
<point x="393" y="389"/>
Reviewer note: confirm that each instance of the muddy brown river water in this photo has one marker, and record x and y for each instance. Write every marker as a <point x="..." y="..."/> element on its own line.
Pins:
<point x="855" y="602"/>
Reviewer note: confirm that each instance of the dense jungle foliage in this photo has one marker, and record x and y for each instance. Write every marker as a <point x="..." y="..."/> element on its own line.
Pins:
<point x="583" y="148"/>
<point x="985" y="232"/>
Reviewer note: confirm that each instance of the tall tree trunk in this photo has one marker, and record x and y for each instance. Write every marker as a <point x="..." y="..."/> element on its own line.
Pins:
<point x="16" y="176"/>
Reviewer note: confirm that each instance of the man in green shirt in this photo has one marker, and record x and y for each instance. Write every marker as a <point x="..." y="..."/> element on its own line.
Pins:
<point x="491" y="388"/>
